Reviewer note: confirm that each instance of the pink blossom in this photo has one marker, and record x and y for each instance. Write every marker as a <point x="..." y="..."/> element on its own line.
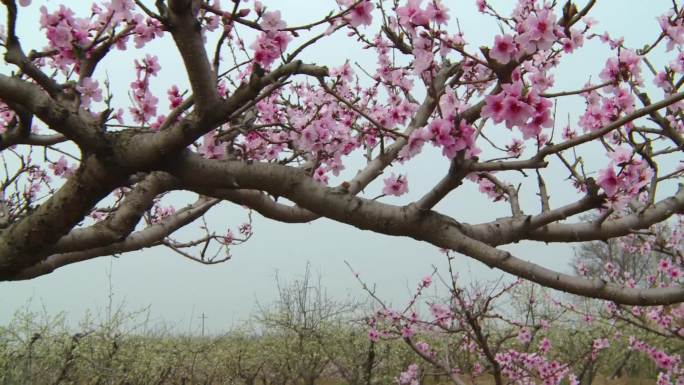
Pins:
<point x="515" y="148"/>
<point x="662" y="80"/>
<point x="415" y="143"/>
<point x="159" y="213"/>
<point x="407" y="332"/>
<point x="228" y="238"/>
<point x="412" y="15"/>
<point x="320" y="176"/>
<point x="440" y="131"/>
<point x="423" y="61"/>
<point x="158" y="122"/>
<point x="539" y="31"/>
<point x="210" y="147"/>
<point x="437" y="12"/>
<point x="146" y="31"/>
<point x="494" y="107"/>
<point x="395" y="185"/>
<point x="361" y="14"/>
<point x="150" y="65"/>
<point x="504" y="49"/>
<point x="373" y="335"/>
<point x="575" y="41"/>
<point x="146" y="109"/>
<point x="269" y="46"/>
<point x="515" y="112"/>
<point x="271" y="21"/>
<point x="62" y="168"/>
<point x="90" y="91"/>
<point x="608" y="180"/>
<point x="598" y="345"/>
<point x="664" y="265"/>
<point x="489" y="188"/>
<point x="545" y="346"/>
<point x="409" y="376"/>
<point x="175" y="97"/>
<point x="524" y="335"/>
<point x="622" y="156"/>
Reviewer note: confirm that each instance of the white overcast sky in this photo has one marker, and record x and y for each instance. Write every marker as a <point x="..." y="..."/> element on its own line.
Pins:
<point x="178" y="290"/>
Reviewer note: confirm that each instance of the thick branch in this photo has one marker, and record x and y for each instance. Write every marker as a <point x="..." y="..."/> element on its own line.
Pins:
<point x="439" y="230"/>
<point x="592" y="231"/>
<point x="264" y="205"/>
<point x="145" y="150"/>
<point x="187" y="34"/>
<point x="29" y="240"/>
<point x="35" y="101"/>
<point x="148" y="237"/>
<point x="122" y="221"/>
<point x="10" y="138"/>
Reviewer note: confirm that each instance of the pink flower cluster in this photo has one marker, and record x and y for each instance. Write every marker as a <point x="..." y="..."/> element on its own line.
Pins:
<point x="524" y="335"/>
<point x="272" y="42"/>
<point x="673" y="28"/>
<point x="395" y="185"/>
<point x="62" y="168"/>
<point x="36" y="179"/>
<point x="520" y="367"/>
<point x="632" y="175"/>
<point x="598" y="345"/>
<point x="536" y="30"/>
<point x="670" y="270"/>
<point x="602" y="111"/>
<point x="623" y="68"/>
<point x="669" y="362"/>
<point x="212" y="148"/>
<point x="159" y="213"/>
<point x="529" y="112"/>
<point x="145" y="102"/>
<point x="488" y="187"/>
<point x="74" y="38"/>
<point x="360" y="14"/>
<point x="90" y="91"/>
<point x="443" y="133"/>
<point x="413" y="15"/>
<point x="409" y="376"/>
<point x="175" y="98"/>
<point x="6" y="117"/>
<point x="387" y="72"/>
<point x="65" y="33"/>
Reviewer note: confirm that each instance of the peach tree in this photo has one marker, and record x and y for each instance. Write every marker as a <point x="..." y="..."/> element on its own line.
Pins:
<point x="86" y="172"/>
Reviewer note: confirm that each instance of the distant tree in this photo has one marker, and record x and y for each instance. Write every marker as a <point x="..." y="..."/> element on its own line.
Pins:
<point x="300" y="318"/>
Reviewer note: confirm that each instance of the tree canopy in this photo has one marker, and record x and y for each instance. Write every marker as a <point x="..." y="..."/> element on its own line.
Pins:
<point x="86" y="172"/>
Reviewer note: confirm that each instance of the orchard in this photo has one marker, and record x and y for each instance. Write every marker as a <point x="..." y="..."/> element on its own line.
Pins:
<point x="90" y="172"/>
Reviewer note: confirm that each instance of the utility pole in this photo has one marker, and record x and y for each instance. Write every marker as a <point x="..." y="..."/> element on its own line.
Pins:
<point x="203" y="317"/>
